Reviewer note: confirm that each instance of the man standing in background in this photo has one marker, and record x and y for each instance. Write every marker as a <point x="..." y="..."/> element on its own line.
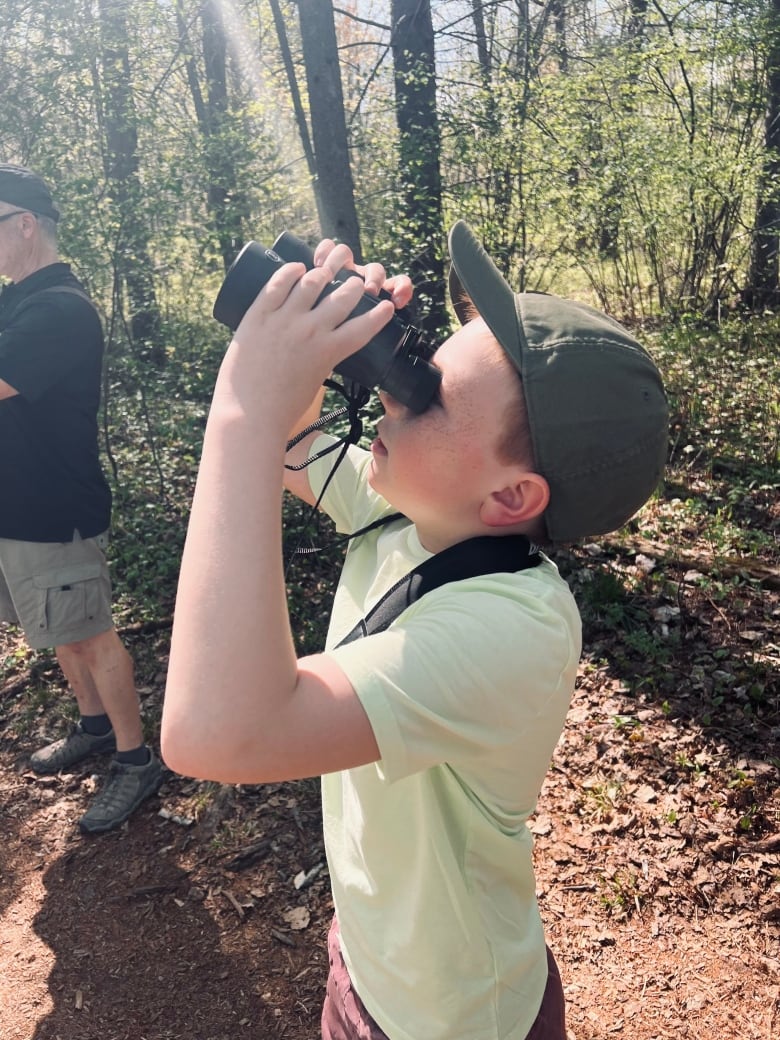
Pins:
<point x="55" y="503"/>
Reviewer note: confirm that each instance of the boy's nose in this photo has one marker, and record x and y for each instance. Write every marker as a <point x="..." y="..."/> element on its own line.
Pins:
<point x="391" y="405"/>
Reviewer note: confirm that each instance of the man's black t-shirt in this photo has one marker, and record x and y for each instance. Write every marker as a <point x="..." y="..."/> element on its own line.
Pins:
<point x="51" y="353"/>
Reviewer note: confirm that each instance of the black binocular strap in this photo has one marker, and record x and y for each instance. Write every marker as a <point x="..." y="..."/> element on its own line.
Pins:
<point x="469" y="559"/>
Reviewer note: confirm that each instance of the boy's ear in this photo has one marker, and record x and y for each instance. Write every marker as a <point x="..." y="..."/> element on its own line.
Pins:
<point x="516" y="503"/>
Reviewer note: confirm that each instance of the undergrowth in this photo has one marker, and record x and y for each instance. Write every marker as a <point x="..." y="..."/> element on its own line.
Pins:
<point x="720" y="498"/>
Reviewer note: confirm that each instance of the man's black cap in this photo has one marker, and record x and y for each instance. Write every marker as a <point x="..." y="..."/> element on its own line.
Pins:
<point x="21" y="187"/>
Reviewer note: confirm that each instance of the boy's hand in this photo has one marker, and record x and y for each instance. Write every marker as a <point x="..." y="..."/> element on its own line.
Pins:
<point x="374" y="275"/>
<point x="289" y="340"/>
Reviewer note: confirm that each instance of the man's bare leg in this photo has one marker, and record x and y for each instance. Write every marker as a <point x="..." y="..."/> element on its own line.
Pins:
<point x="100" y="672"/>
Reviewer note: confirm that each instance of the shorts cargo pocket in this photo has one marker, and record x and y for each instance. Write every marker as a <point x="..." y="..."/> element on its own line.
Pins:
<point x="67" y="596"/>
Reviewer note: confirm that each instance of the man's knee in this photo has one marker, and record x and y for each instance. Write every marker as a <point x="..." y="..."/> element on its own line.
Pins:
<point x="92" y="649"/>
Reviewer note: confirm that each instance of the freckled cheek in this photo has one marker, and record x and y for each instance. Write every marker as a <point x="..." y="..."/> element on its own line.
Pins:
<point x="414" y="436"/>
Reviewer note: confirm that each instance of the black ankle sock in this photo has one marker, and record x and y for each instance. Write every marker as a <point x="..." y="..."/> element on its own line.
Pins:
<point x="139" y="756"/>
<point x="96" y="725"/>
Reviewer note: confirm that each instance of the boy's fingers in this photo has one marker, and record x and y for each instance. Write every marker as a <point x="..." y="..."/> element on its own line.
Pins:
<point x="338" y="257"/>
<point x="350" y="336"/>
<point x="374" y="276"/>
<point x="295" y="295"/>
<point x="339" y="300"/>
<point x="276" y="290"/>
<point x="400" y="288"/>
<point x="294" y="287"/>
<point x="323" y="251"/>
<point x="293" y="279"/>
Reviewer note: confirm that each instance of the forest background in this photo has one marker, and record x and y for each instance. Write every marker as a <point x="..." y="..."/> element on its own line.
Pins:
<point x="623" y="152"/>
<point x="619" y="151"/>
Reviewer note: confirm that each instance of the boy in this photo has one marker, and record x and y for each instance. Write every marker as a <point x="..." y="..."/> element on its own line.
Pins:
<point x="433" y="736"/>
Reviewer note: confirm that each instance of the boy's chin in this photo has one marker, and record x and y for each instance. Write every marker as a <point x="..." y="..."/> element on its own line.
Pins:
<point x="374" y="480"/>
<point x="371" y="477"/>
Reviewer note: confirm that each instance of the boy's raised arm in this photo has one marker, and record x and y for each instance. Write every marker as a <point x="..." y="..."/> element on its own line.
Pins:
<point x="239" y="706"/>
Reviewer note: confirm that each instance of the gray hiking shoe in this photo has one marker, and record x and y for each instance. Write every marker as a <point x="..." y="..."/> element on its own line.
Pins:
<point x="69" y="750"/>
<point x="124" y="790"/>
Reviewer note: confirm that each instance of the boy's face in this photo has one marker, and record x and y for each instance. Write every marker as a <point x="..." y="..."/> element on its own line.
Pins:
<point x="439" y="466"/>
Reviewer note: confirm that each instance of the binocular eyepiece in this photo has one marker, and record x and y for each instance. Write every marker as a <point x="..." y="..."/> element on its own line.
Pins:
<point x="395" y="360"/>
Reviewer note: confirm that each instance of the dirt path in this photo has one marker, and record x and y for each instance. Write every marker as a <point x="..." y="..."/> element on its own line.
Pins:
<point x="657" y="850"/>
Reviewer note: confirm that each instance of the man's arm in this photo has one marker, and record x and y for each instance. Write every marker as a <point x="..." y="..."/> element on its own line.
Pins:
<point x="239" y="706"/>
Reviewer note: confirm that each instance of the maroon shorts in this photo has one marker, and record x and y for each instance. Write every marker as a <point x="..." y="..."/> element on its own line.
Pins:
<point x="344" y="1016"/>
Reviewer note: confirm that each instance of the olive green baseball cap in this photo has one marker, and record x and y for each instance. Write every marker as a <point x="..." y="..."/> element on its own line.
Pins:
<point x="596" y="405"/>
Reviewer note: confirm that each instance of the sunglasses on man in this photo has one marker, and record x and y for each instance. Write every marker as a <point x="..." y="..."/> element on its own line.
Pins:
<point x="14" y="213"/>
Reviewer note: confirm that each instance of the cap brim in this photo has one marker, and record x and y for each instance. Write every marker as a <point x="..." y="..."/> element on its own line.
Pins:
<point x="475" y="274"/>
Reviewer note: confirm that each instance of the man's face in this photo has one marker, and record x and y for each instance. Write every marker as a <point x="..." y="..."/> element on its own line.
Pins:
<point x="437" y="467"/>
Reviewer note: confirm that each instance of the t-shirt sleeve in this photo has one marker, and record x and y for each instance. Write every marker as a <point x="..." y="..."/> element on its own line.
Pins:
<point x="46" y="339"/>
<point x="466" y="672"/>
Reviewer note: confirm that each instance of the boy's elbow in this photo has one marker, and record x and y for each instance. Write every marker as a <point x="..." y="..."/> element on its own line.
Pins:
<point x="205" y="754"/>
<point x="186" y="748"/>
<point x="180" y="755"/>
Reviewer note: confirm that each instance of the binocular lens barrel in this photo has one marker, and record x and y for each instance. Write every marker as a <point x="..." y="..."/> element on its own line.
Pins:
<point x="387" y="361"/>
<point x="246" y="276"/>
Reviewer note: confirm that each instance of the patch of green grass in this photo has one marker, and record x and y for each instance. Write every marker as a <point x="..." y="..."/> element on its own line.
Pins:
<point x="621" y="895"/>
<point x="601" y="797"/>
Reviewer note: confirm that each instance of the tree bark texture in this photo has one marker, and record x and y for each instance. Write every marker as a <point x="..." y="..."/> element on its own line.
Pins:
<point x="132" y="261"/>
<point x="419" y="150"/>
<point x="334" y="185"/>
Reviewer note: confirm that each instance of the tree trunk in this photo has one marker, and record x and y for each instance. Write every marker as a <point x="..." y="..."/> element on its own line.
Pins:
<point x="333" y="184"/>
<point x="132" y="262"/>
<point x="292" y="80"/>
<point x="615" y="188"/>
<point x="225" y="201"/>
<point x="762" y="281"/>
<point x="483" y="48"/>
<point x="419" y="151"/>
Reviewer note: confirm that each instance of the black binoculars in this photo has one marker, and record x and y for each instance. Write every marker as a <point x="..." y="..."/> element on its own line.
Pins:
<point x="395" y="360"/>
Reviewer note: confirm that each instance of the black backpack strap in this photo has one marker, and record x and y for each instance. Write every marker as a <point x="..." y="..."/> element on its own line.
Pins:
<point x="483" y="555"/>
<point x="48" y="289"/>
<point x="74" y="289"/>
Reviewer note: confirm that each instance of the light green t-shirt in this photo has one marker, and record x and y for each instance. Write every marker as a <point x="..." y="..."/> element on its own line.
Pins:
<point x="428" y="849"/>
